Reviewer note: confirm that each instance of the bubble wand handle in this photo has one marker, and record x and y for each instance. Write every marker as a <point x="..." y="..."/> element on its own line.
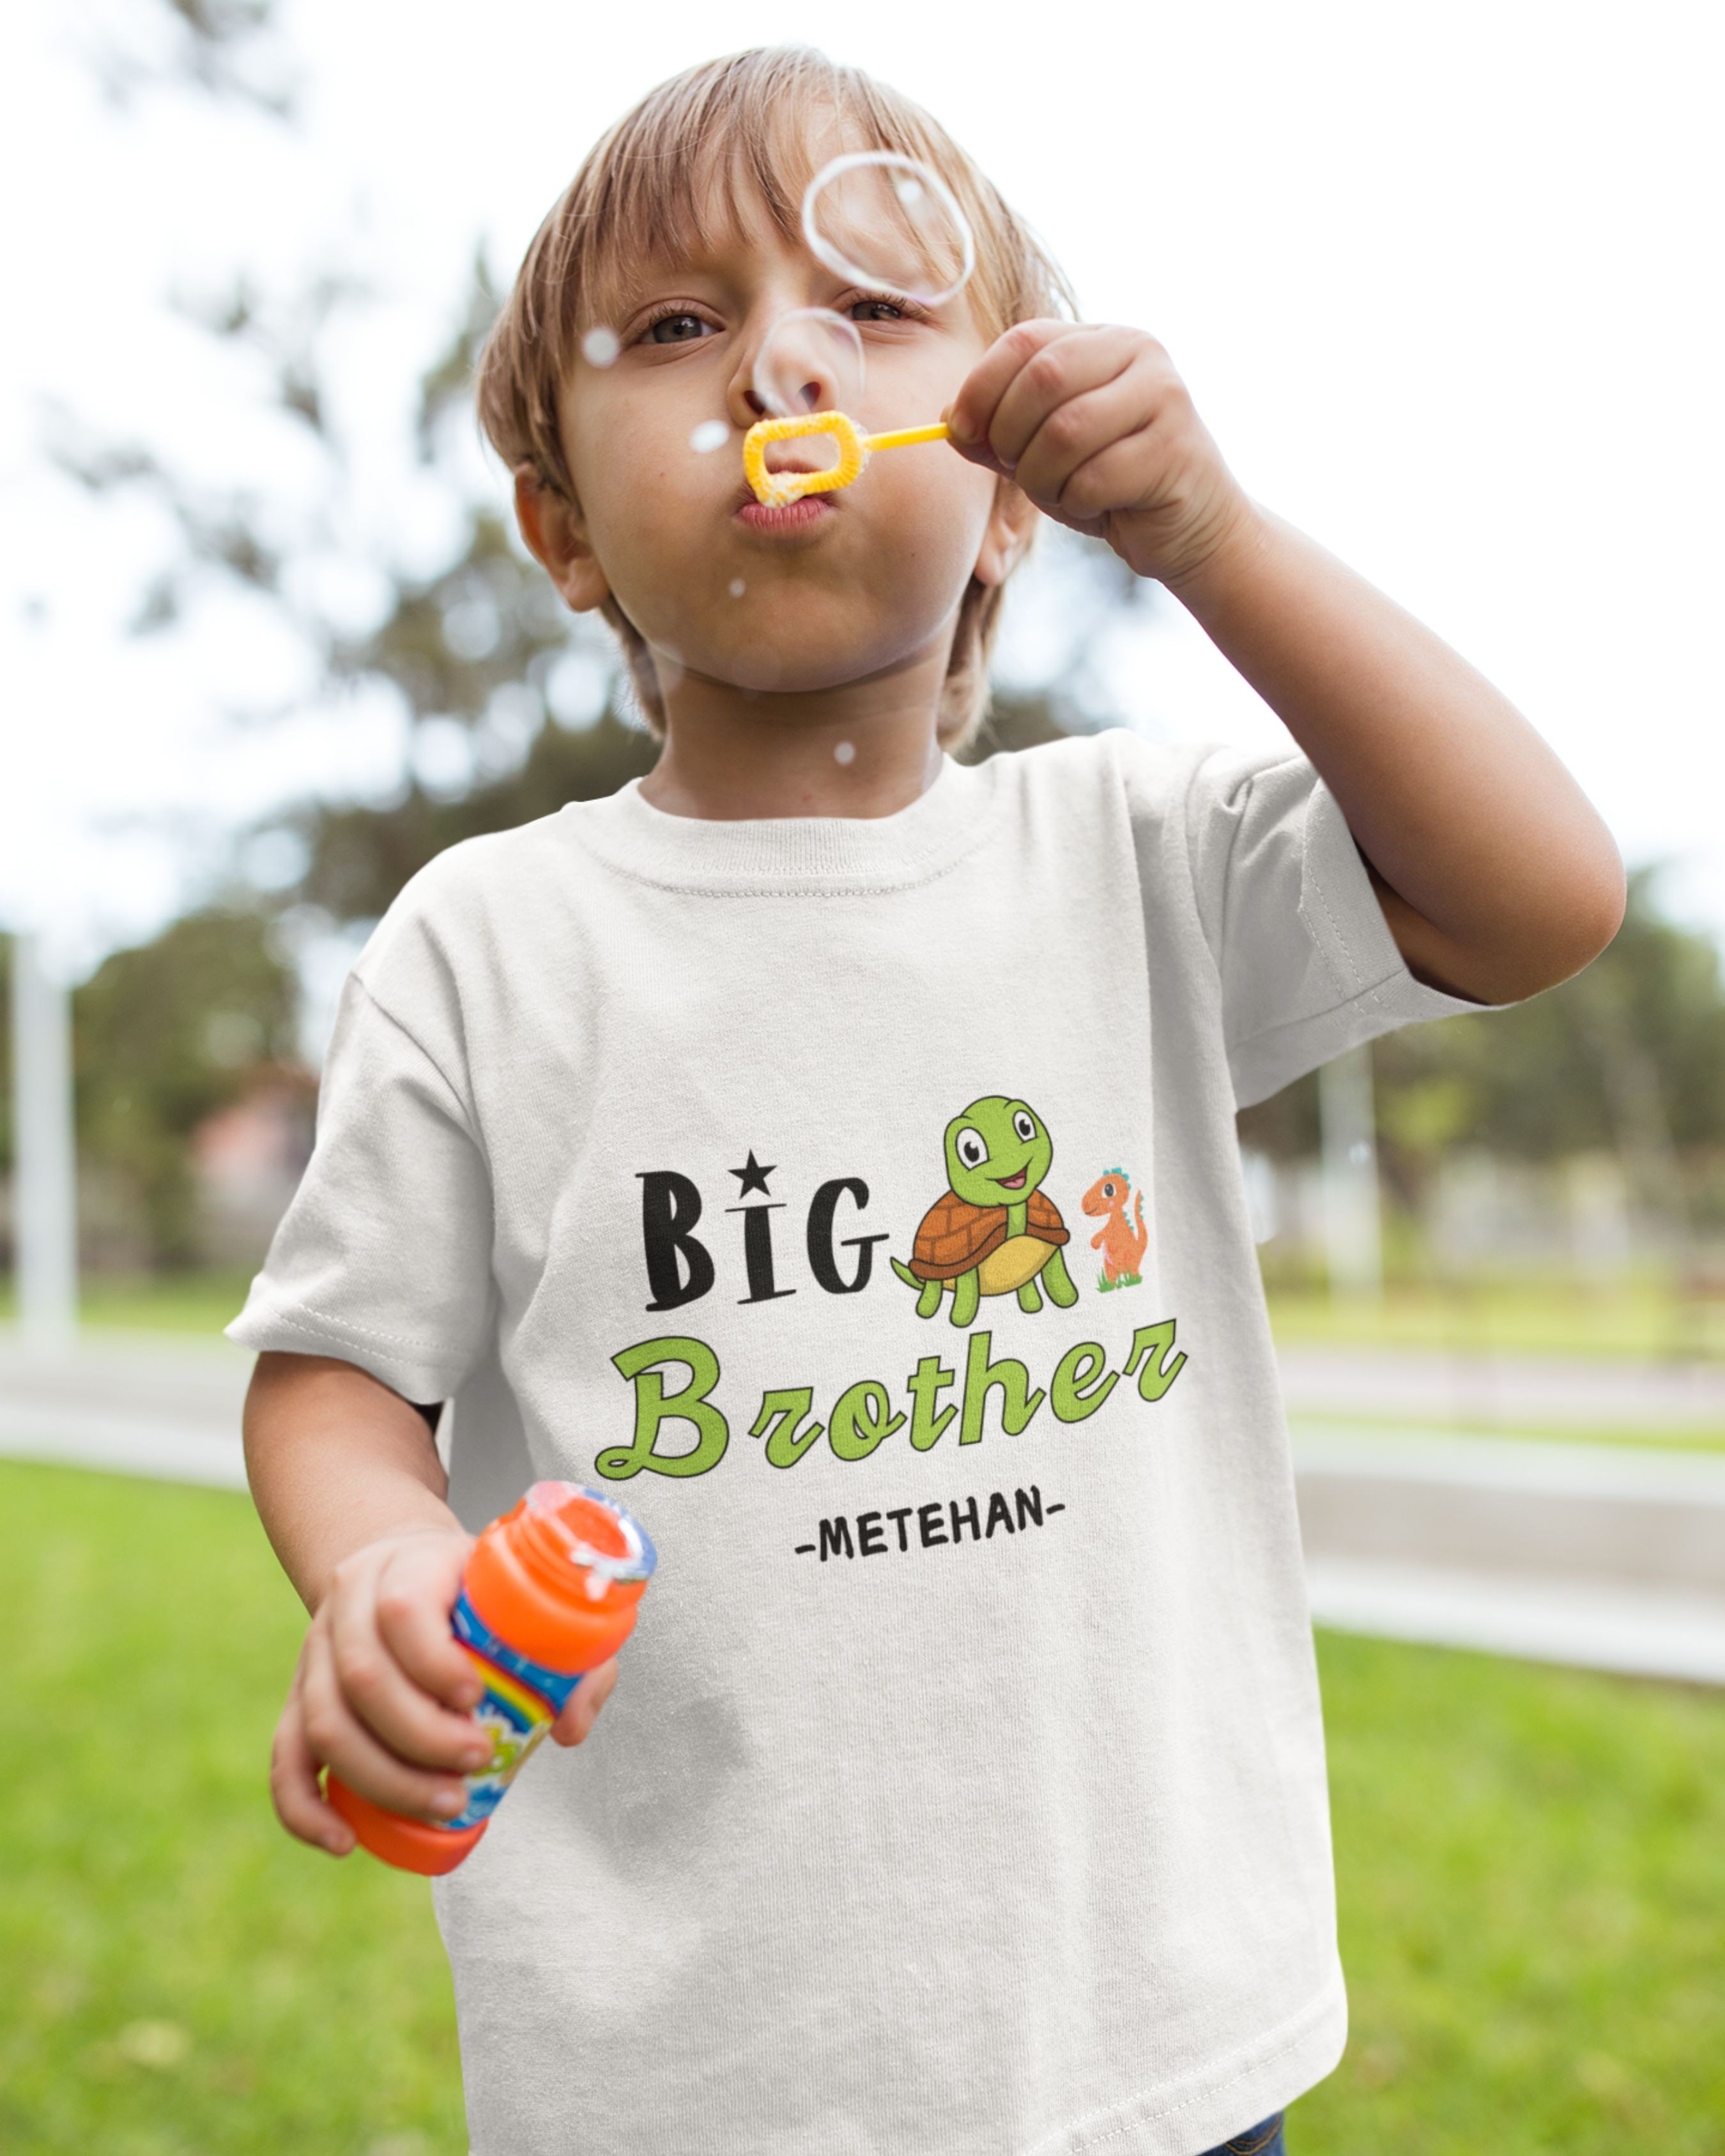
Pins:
<point x="901" y="438"/>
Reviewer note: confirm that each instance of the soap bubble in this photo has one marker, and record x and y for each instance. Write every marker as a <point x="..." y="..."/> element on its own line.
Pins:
<point x="811" y="360"/>
<point x="738" y="587"/>
<point x="710" y="434"/>
<point x="845" y="752"/>
<point x="600" y="347"/>
<point x="880" y="218"/>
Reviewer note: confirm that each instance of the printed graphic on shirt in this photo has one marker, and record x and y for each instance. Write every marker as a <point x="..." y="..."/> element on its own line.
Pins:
<point x="994" y="1230"/>
<point x="676" y="1379"/>
<point x="1123" y="1243"/>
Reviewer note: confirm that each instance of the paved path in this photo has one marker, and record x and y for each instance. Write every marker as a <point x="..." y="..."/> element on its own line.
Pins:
<point x="1608" y="1556"/>
<point x="139" y="1403"/>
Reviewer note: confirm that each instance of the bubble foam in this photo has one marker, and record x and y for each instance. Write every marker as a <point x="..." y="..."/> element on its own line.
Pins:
<point x="811" y="360"/>
<point x="888" y="220"/>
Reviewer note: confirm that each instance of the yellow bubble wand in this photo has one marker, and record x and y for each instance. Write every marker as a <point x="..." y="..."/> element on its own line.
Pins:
<point x="776" y="489"/>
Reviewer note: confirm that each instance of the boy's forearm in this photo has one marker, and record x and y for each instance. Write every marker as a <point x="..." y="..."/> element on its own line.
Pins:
<point x="335" y="1459"/>
<point x="1501" y="878"/>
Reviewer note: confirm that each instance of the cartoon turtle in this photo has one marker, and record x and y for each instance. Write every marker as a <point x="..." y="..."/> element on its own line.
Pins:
<point x="993" y="1231"/>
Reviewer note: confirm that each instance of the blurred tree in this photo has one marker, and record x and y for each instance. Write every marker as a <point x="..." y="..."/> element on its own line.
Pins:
<point x="227" y="48"/>
<point x="162" y="1036"/>
<point x="1625" y="1058"/>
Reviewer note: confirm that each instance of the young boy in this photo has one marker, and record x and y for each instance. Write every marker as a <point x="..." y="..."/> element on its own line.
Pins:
<point x="732" y="1143"/>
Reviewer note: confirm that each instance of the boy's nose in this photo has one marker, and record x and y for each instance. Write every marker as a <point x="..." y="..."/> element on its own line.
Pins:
<point x="813" y="396"/>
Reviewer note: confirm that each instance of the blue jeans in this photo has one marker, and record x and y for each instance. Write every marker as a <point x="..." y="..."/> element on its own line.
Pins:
<point x="1264" y="2140"/>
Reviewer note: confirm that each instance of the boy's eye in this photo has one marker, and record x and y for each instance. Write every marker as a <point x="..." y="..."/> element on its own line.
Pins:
<point x="876" y="310"/>
<point x="677" y="329"/>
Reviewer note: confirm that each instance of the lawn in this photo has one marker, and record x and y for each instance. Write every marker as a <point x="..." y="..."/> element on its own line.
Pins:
<point x="1519" y="1313"/>
<point x="1531" y="1868"/>
<point x="201" y="1301"/>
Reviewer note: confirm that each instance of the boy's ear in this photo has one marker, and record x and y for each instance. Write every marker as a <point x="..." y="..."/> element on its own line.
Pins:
<point x="552" y="527"/>
<point x="1008" y="528"/>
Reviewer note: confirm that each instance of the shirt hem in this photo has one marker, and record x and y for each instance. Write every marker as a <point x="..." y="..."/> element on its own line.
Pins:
<point x="1186" y="2117"/>
<point x="274" y="1329"/>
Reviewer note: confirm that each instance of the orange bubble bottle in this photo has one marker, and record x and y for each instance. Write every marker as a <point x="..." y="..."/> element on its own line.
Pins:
<point x="549" y="1592"/>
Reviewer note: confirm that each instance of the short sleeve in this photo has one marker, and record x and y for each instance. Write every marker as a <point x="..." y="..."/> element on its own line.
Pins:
<point x="383" y="1257"/>
<point x="1308" y="964"/>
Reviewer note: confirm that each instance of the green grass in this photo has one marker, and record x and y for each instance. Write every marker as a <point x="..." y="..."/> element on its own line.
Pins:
<point x="182" y="1978"/>
<point x="1531" y="1868"/>
<point x="201" y="1301"/>
<point x="1522" y="1314"/>
<point x="1531" y="1864"/>
<point x="1699" y="1439"/>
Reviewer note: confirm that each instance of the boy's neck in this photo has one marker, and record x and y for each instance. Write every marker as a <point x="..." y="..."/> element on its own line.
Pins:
<point x="867" y="748"/>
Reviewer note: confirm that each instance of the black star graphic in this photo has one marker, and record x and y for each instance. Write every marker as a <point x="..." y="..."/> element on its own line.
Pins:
<point x="752" y="1177"/>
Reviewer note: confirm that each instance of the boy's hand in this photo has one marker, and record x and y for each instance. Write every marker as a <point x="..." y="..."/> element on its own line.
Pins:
<point x="1094" y="424"/>
<point x="383" y="1696"/>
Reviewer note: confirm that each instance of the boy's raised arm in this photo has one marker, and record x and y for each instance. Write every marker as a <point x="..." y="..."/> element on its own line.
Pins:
<point x="1496" y="874"/>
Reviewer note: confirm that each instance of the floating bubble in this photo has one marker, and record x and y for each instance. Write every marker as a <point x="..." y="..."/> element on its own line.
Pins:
<point x="845" y="752"/>
<point x="811" y="360"/>
<point x="711" y="434"/>
<point x="738" y="587"/>
<point x="600" y="347"/>
<point x="883" y="220"/>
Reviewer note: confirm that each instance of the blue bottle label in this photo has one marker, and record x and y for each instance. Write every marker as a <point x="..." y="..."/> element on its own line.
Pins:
<point x="520" y="1702"/>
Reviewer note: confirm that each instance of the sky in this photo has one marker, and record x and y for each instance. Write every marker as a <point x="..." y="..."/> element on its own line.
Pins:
<point x="1444" y="284"/>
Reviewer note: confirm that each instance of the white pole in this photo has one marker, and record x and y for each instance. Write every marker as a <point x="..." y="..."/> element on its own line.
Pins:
<point x="1353" y="1238"/>
<point x="45" y="1208"/>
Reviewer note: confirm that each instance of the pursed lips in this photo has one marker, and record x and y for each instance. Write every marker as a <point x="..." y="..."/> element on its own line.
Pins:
<point x="746" y="494"/>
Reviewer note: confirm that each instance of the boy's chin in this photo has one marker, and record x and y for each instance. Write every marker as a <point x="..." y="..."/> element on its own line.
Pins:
<point x="764" y="669"/>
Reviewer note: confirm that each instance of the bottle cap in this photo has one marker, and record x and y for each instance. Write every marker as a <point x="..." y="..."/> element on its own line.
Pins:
<point x="594" y="1531"/>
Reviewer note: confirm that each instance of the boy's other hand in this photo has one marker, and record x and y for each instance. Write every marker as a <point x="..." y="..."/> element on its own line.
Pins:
<point x="382" y="1694"/>
<point x="580" y="1710"/>
<point x="1093" y="424"/>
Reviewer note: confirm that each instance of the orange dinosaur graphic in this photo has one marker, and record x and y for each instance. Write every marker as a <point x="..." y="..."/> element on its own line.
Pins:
<point x="1122" y="1242"/>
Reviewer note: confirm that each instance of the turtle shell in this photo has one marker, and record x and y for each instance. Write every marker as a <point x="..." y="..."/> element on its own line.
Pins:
<point x="956" y="1236"/>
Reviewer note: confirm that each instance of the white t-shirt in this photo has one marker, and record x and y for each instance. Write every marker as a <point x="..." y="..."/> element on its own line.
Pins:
<point x="962" y="1792"/>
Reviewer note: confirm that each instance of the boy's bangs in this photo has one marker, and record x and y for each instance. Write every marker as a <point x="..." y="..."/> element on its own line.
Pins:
<point x="679" y="197"/>
<point x="698" y="160"/>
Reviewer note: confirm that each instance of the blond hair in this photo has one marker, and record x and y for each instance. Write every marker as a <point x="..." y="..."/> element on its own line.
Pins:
<point x="644" y="186"/>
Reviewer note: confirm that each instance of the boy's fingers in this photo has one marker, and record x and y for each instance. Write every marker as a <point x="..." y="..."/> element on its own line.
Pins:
<point x="379" y="1693"/>
<point x="295" y="1790"/>
<point x="971" y="411"/>
<point x="416" y="1591"/>
<point x="386" y="1700"/>
<point x="582" y="1708"/>
<point x="1051" y="380"/>
<point x="338" y="1739"/>
<point x="1083" y="428"/>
